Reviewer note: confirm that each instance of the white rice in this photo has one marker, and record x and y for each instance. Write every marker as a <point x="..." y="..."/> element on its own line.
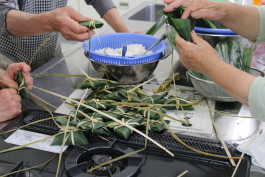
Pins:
<point x="132" y="49"/>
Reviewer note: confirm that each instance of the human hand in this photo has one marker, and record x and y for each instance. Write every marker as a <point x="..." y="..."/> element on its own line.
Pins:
<point x="64" y="21"/>
<point x="10" y="104"/>
<point x="198" y="56"/>
<point x="139" y="32"/>
<point x="206" y="9"/>
<point x="9" y="75"/>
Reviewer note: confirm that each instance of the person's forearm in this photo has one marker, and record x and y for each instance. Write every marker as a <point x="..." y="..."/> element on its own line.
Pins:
<point x="243" y="20"/>
<point x="22" y="24"/>
<point x="232" y="80"/>
<point x="114" y="19"/>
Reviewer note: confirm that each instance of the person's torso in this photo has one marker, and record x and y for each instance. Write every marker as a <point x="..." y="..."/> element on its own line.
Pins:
<point x="22" y="49"/>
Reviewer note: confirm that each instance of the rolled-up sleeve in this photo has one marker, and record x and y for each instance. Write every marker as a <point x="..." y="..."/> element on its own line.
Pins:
<point x="101" y="6"/>
<point x="5" y="6"/>
<point x="256" y="98"/>
<point x="261" y="36"/>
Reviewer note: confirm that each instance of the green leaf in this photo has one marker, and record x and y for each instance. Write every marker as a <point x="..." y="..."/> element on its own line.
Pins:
<point x="123" y="131"/>
<point x="247" y="58"/>
<point x="154" y="125"/>
<point x="171" y="38"/>
<point x="160" y="22"/>
<point x="168" y="50"/>
<point x="172" y="100"/>
<point x="22" y="86"/>
<point x="78" y="137"/>
<point x="101" y="131"/>
<point x="98" y="24"/>
<point x="92" y="84"/>
<point x="153" y="115"/>
<point x="152" y="99"/>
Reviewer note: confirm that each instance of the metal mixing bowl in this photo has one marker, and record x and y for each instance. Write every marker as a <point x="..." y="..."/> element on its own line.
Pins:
<point x="211" y="90"/>
<point x="125" y="74"/>
<point x="214" y="39"/>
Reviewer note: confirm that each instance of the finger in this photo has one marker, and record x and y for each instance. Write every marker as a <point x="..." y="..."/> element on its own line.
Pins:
<point x="17" y="98"/>
<point x="208" y="14"/>
<point x="180" y="42"/>
<point x="168" y="1"/>
<point x="76" y="15"/>
<point x="76" y="28"/>
<point x="10" y="91"/>
<point x="177" y="4"/>
<point x="195" y="38"/>
<point x="11" y="83"/>
<point x="28" y="80"/>
<point x="192" y="8"/>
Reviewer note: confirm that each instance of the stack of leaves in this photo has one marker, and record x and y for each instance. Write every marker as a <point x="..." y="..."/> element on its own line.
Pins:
<point x="22" y="86"/>
<point x="233" y="53"/>
<point x="175" y="101"/>
<point x="154" y="125"/>
<point x="153" y="115"/>
<point x="74" y="135"/>
<point x="152" y="99"/>
<point x="121" y="129"/>
<point x="92" y="83"/>
<point x="92" y="24"/>
<point x="94" y="125"/>
<point x="116" y="113"/>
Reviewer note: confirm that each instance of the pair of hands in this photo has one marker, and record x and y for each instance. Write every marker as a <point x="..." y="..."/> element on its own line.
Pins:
<point x="199" y="56"/>
<point x="10" y="101"/>
<point x="64" y="20"/>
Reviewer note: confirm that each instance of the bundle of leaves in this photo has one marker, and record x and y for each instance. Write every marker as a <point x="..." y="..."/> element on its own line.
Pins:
<point x="75" y="135"/>
<point x="172" y="100"/>
<point x="94" y="84"/>
<point x="154" y="125"/>
<point x="91" y="23"/>
<point x="22" y="86"/>
<point x="116" y="113"/>
<point x="122" y="130"/>
<point x="153" y="115"/>
<point x="152" y="99"/>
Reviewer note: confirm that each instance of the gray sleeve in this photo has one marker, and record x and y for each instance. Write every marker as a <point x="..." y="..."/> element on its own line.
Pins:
<point x="3" y="29"/>
<point x="101" y="6"/>
<point x="5" y="6"/>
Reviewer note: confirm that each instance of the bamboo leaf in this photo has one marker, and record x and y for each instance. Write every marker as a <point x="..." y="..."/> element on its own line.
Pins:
<point x="247" y="58"/>
<point x="22" y="86"/>
<point x="88" y="24"/>
<point x="171" y="38"/>
<point x="160" y="22"/>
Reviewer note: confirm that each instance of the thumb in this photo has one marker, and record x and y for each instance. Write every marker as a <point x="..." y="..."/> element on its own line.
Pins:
<point x="195" y="38"/>
<point x="77" y="16"/>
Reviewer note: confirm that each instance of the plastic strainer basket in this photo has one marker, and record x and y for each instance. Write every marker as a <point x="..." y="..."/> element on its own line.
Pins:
<point x="211" y="90"/>
<point x="118" y="40"/>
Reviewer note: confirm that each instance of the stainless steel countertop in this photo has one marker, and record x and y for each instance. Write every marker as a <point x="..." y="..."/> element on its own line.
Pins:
<point x="234" y="130"/>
